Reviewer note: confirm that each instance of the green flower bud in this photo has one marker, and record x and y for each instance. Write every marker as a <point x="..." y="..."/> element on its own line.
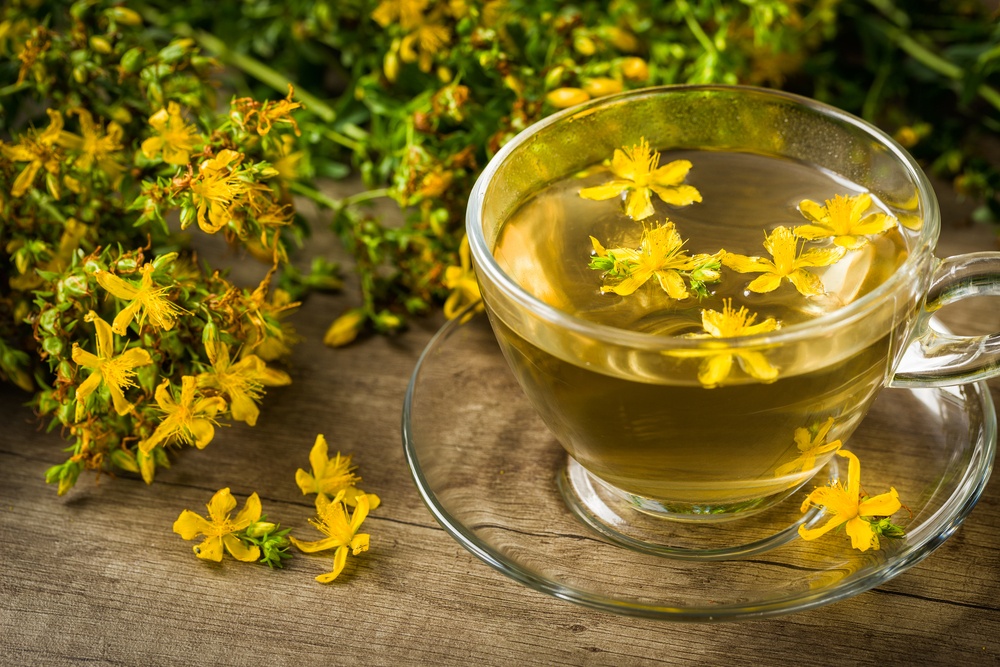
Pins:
<point x="133" y="60"/>
<point x="53" y="346"/>
<point x="100" y="44"/>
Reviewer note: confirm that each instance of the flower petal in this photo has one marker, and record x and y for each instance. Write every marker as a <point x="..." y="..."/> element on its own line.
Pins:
<point x="135" y="357"/>
<point x="672" y="173"/>
<point x="221" y="504"/>
<point x="608" y="190"/>
<point x="813" y="533"/>
<point x="339" y="559"/>
<point x="203" y="431"/>
<point x="808" y="284"/>
<point x="680" y="195"/>
<point x="319" y="455"/>
<point x="251" y="512"/>
<point x="672" y="284"/>
<point x="715" y="369"/>
<point x="876" y="223"/>
<point x="638" y="204"/>
<point x="744" y="264"/>
<point x="210" y="549"/>
<point x="884" y="504"/>
<point x="812" y="232"/>
<point x="115" y="285"/>
<point x="240" y="551"/>
<point x="306" y="482"/>
<point x="861" y="533"/>
<point x="812" y="211"/>
<point x="189" y="525"/>
<point x="767" y="282"/>
<point x="757" y="366"/>
<point x="318" y="545"/>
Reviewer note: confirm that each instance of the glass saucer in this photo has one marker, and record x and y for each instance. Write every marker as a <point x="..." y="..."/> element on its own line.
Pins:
<point x="489" y="471"/>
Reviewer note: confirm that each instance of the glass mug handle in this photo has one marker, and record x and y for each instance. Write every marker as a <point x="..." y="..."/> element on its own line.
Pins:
<point x="936" y="359"/>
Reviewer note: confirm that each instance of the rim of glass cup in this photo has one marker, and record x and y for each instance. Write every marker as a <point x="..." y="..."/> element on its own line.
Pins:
<point x="488" y="268"/>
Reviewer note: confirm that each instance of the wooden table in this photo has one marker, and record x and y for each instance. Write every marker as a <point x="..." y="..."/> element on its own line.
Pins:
<point x="97" y="576"/>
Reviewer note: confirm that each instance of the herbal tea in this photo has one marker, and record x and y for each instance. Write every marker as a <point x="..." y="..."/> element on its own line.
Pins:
<point x="701" y="245"/>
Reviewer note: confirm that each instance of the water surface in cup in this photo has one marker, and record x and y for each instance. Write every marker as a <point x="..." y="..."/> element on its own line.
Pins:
<point x="646" y="423"/>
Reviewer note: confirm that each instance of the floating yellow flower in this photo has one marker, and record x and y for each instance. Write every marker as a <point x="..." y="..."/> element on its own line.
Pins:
<point x="461" y="280"/>
<point x="219" y="529"/>
<point x="190" y="420"/>
<point x="731" y="323"/>
<point x="842" y="220"/>
<point x="215" y="188"/>
<point x="41" y="151"/>
<point x="341" y="532"/>
<point x="174" y="140"/>
<point x="332" y="476"/>
<point x="114" y="371"/>
<point x="241" y="383"/>
<point x="848" y="507"/>
<point x="789" y="263"/>
<point x="637" y="174"/>
<point x="148" y="300"/>
<point x="660" y="254"/>
<point x="812" y="444"/>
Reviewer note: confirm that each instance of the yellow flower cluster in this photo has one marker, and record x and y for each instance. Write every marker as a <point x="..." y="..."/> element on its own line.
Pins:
<point x="334" y="483"/>
<point x="638" y="174"/>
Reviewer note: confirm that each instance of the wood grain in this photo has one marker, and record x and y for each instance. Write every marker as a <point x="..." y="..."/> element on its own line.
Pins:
<point x="98" y="577"/>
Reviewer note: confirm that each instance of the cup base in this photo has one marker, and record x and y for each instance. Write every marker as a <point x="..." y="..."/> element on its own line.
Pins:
<point x="684" y="531"/>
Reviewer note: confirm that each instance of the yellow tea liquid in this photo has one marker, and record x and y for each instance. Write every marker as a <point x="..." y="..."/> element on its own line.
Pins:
<point x="641" y="420"/>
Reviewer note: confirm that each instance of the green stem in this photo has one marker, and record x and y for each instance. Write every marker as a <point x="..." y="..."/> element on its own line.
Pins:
<point x="46" y="205"/>
<point x="934" y="62"/>
<point x="337" y="204"/>
<point x="695" y="27"/>
<point x="342" y="139"/>
<point x="13" y="88"/>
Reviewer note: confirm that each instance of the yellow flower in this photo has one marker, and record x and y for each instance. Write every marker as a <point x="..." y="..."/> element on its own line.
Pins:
<point x="241" y="383"/>
<point x="421" y="44"/>
<point x="842" y="220"/>
<point x="215" y="188"/>
<point x="190" y="420"/>
<point x="95" y="146"/>
<point x="731" y="323"/>
<point x="114" y="371"/>
<point x="811" y="445"/>
<point x="407" y="13"/>
<point x="219" y="529"/>
<point x="40" y="150"/>
<point x="272" y="336"/>
<point x="788" y="264"/>
<point x="271" y="112"/>
<point x="148" y="300"/>
<point x="332" y="476"/>
<point x="174" y="139"/>
<point x="660" y="254"/>
<point x="848" y="507"/>
<point x="637" y="174"/>
<point x="461" y="280"/>
<point x="341" y="532"/>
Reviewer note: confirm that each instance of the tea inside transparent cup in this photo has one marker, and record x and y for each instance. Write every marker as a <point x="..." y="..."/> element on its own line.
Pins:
<point x="628" y="406"/>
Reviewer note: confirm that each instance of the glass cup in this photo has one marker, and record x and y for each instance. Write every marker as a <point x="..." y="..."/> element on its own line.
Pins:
<point x="628" y="407"/>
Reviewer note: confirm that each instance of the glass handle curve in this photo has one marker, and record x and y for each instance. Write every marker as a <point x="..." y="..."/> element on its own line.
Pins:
<point x="936" y="359"/>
